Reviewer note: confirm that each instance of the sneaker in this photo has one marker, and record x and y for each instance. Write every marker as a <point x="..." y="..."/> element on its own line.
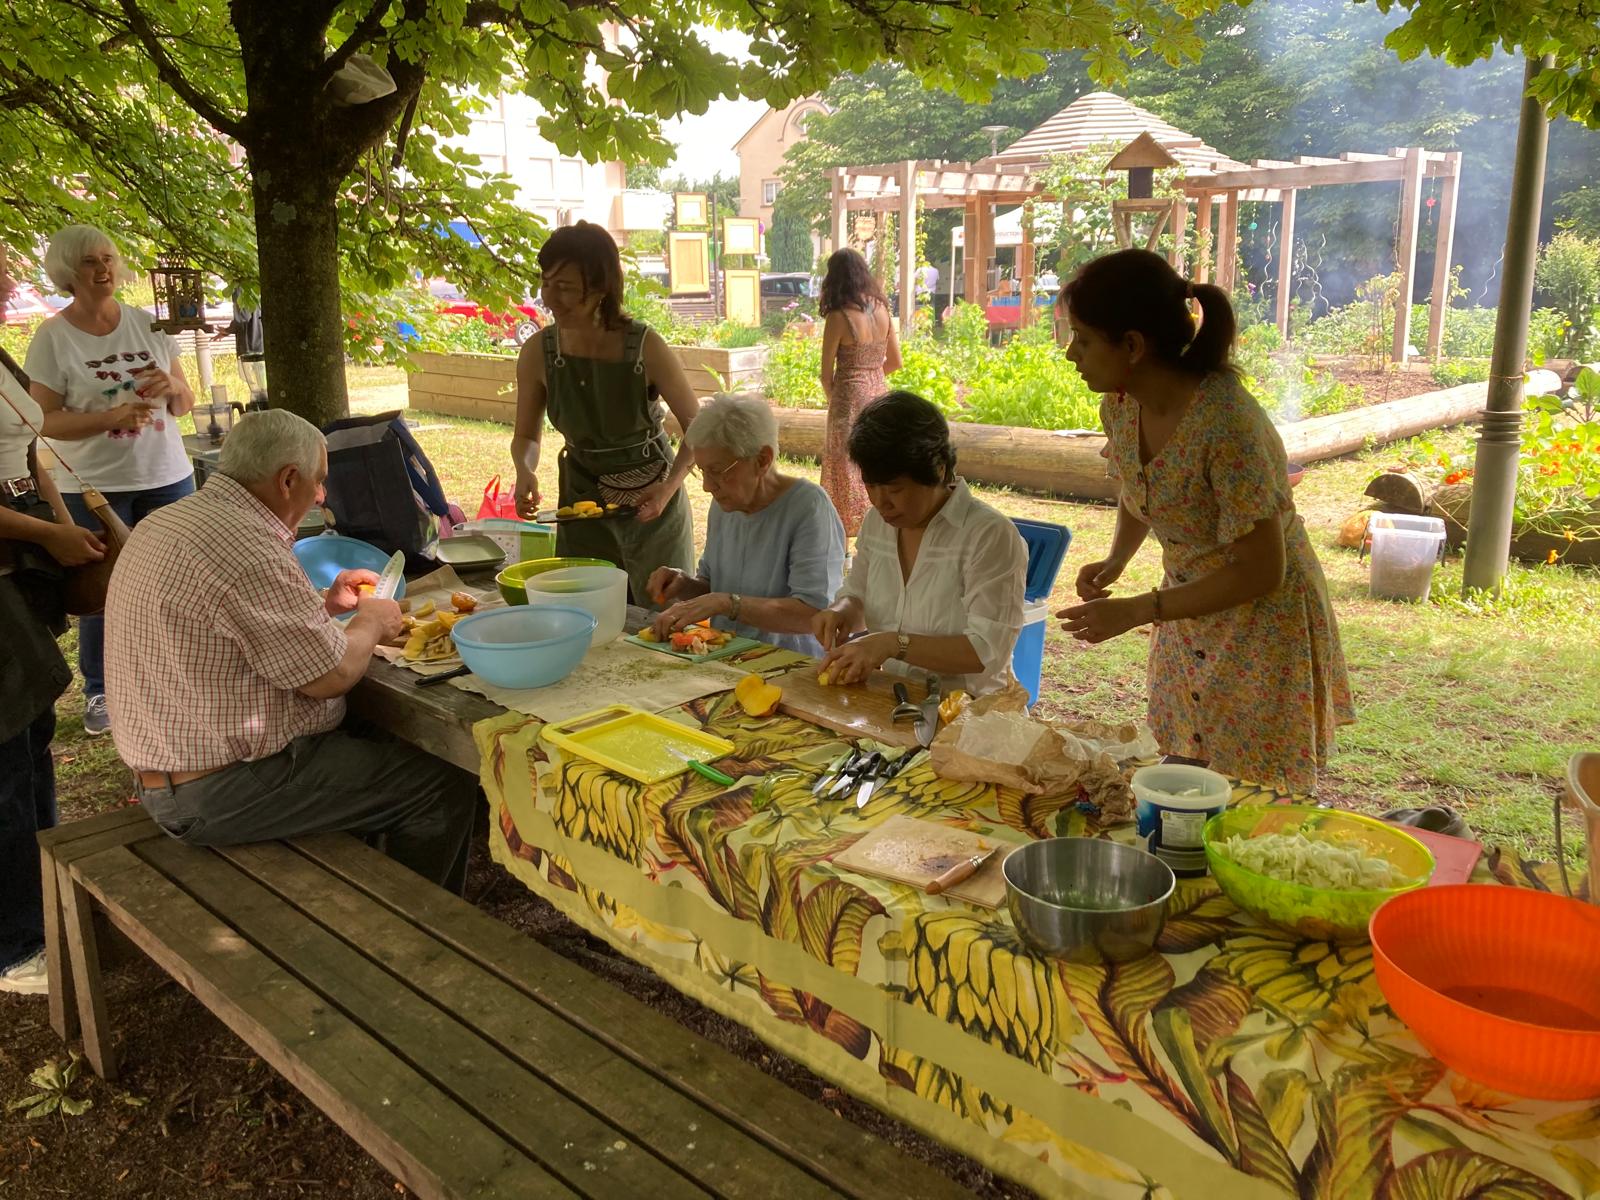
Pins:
<point x="27" y="977"/>
<point x="96" y="717"/>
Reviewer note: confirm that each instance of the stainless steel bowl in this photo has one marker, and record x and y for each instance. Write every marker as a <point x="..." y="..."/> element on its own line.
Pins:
<point x="1087" y="899"/>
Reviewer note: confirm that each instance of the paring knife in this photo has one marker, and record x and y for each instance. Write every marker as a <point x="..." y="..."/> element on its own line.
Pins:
<point x="853" y="773"/>
<point x="869" y="780"/>
<point x="962" y="871"/>
<point x="389" y="581"/>
<point x="928" y="725"/>
<point x="829" y="775"/>
<point x="700" y="768"/>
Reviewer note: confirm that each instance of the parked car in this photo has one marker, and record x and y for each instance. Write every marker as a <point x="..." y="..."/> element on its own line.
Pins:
<point x="516" y="326"/>
<point x="781" y="289"/>
<point x="29" y="305"/>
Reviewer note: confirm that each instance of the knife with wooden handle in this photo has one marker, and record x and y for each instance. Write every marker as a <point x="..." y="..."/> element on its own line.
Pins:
<point x="961" y="872"/>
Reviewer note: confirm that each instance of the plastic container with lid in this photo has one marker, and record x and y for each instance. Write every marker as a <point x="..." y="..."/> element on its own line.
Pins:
<point x="602" y="591"/>
<point x="1173" y="802"/>
<point x="1047" y="545"/>
<point x="1404" y="551"/>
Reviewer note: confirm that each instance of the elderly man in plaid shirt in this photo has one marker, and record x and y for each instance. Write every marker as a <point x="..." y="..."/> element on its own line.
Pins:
<point x="226" y="672"/>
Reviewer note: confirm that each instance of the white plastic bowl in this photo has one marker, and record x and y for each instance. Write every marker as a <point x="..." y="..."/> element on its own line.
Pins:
<point x="602" y="591"/>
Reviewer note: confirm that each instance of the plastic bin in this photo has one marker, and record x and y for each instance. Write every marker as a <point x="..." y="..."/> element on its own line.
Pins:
<point x="1404" y="551"/>
<point x="521" y="540"/>
<point x="1027" y="658"/>
<point x="1047" y="546"/>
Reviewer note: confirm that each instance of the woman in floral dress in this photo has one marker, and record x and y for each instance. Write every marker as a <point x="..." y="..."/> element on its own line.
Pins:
<point x="1246" y="672"/>
<point x="859" y="348"/>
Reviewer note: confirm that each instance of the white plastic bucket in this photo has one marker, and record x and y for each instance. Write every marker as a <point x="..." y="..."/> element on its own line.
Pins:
<point x="602" y="591"/>
<point x="1173" y="802"/>
<point x="1404" y="551"/>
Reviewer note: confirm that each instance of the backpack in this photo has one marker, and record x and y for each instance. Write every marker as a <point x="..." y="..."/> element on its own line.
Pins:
<point x="381" y="487"/>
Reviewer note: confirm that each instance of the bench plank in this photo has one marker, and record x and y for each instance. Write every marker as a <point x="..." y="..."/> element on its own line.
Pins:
<point x="678" y="1129"/>
<point x="547" y="1126"/>
<point x="854" y="1161"/>
<point x="426" y="1140"/>
<point x="71" y="831"/>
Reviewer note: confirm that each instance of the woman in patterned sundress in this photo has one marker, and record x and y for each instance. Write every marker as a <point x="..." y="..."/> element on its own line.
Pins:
<point x="1246" y="672"/>
<point x="859" y="348"/>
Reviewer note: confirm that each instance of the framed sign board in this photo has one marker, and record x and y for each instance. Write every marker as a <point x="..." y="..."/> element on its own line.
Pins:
<point x="741" y="235"/>
<point x="692" y="209"/>
<point x="689" y="263"/>
<point x="741" y="292"/>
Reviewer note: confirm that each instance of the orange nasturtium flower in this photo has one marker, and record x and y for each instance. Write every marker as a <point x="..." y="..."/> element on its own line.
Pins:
<point x="1569" y="535"/>
<point x="1551" y="559"/>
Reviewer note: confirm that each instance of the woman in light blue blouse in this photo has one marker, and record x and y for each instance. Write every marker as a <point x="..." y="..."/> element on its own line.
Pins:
<point x="774" y="544"/>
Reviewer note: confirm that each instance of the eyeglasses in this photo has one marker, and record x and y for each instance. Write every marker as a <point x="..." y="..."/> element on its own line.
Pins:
<point x="715" y="474"/>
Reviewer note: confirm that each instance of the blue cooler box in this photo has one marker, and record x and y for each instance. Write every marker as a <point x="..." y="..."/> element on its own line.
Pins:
<point x="1047" y="546"/>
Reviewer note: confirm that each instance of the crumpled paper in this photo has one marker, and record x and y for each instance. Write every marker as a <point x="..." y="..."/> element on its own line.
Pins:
<point x="996" y="741"/>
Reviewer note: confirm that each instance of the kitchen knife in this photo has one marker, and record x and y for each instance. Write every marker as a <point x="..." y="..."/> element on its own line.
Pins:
<point x="853" y="773"/>
<point x="389" y="581"/>
<point x="701" y="769"/>
<point x="962" y="871"/>
<point x="928" y="725"/>
<point x="829" y="775"/>
<point x="869" y="780"/>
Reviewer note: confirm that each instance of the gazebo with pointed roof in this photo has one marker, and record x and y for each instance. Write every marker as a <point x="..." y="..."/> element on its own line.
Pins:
<point x="1212" y="182"/>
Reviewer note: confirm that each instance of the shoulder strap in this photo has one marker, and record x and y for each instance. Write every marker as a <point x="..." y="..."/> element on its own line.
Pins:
<point x="633" y="346"/>
<point x="10" y="364"/>
<point x="550" y="336"/>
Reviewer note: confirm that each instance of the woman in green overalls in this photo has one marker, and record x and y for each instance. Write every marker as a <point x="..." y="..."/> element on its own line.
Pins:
<point x="601" y="377"/>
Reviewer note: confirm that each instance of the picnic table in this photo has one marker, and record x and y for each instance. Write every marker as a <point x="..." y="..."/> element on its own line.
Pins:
<point x="1239" y="1061"/>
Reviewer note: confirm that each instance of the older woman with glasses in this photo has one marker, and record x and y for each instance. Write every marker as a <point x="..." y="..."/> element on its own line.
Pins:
<point x="774" y="544"/>
<point x="111" y="390"/>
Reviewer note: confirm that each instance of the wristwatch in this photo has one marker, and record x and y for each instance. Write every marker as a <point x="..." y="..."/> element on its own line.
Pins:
<point x="903" y="641"/>
<point x="735" y="601"/>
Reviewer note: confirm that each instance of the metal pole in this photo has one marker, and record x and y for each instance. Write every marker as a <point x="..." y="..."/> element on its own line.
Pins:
<point x="1494" y="482"/>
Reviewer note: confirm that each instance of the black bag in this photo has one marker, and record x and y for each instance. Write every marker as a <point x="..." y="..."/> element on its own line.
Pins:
<point x="371" y="489"/>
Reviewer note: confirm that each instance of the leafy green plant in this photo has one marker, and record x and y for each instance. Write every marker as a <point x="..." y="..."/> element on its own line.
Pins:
<point x="1569" y="275"/>
<point x="1452" y="372"/>
<point x="793" y="371"/>
<point x="1030" y="383"/>
<point x="472" y="335"/>
<point x="55" y="1090"/>
<point x="924" y="371"/>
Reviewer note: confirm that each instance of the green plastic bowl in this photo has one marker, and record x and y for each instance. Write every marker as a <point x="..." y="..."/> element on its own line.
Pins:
<point x="512" y="579"/>
<point x="1323" y="914"/>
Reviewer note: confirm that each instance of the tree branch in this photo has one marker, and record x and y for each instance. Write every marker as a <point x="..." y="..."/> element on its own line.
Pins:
<point x="174" y="78"/>
<point x="363" y="33"/>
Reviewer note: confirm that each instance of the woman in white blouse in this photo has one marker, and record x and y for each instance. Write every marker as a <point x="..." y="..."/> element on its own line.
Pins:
<point x="938" y="576"/>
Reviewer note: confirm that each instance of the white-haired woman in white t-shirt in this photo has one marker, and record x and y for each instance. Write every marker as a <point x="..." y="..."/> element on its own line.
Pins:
<point x="112" y="391"/>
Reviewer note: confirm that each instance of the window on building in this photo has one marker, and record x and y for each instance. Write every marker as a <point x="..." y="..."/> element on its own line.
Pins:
<point x="769" y="192"/>
<point x="569" y="179"/>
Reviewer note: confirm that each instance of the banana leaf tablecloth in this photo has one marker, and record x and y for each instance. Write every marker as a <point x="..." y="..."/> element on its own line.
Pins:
<point x="1238" y="1062"/>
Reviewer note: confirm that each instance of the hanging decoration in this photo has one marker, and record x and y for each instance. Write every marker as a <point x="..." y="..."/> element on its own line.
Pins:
<point x="180" y="300"/>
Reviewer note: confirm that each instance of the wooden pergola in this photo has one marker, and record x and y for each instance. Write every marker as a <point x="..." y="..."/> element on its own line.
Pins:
<point x="1213" y="185"/>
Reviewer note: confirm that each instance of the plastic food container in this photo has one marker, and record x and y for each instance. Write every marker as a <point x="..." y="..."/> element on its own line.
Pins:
<point x="322" y="558"/>
<point x="522" y="541"/>
<point x="1499" y="983"/>
<point x="602" y="591"/>
<point x="512" y="581"/>
<point x="524" y="647"/>
<point x="1326" y="914"/>
<point x="1170" y="822"/>
<point x="1404" y="551"/>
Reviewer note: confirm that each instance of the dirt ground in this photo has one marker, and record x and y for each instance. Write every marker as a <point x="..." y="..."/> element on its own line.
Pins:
<point x="1382" y="384"/>
<point x="196" y="1114"/>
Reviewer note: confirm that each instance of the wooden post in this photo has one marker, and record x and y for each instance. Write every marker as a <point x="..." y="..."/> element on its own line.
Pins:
<point x="1228" y="236"/>
<point x="840" y="212"/>
<point x="908" y="247"/>
<point x="1179" y="224"/>
<point x="986" y="236"/>
<point x="1285" y="261"/>
<point x="971" y="247"/>
<point x="1444" y="247"/>
<point x="1025" y="269"/>
<point x="1204" y="242"/>
<point x="1406" y="250"/>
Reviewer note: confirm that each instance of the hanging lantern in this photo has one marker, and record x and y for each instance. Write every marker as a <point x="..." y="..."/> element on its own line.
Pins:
<point x="180" y="301"/>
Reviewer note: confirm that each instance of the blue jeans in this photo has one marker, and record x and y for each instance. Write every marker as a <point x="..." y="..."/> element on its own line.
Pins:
<point x="27" y="805"/>
<point x="132" y="507"/>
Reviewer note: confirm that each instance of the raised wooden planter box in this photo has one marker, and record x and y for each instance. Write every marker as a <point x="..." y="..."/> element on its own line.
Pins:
<point x="483" y="386"/>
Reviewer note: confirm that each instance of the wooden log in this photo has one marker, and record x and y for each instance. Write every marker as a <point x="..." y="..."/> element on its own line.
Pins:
<point x="1318" y="438"/>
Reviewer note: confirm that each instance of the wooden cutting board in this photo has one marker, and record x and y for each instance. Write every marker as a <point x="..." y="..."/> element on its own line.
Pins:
<point x="918" y="852"/>
<point x="857" y="712"/>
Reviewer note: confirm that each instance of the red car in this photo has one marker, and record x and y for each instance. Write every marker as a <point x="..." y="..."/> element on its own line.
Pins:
<point x="516" y="326"/>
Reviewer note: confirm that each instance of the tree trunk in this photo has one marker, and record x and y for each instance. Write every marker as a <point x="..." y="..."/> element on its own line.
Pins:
<point x="297" y="240"/>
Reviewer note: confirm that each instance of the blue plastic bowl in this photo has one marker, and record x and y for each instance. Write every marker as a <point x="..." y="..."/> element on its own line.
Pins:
<point x="522" y="647"/>
<point x="323" y="557"/>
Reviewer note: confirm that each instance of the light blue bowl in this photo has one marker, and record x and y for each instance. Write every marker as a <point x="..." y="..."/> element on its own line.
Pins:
<point x="323" y="557"/>
<point x="521" y="647"/>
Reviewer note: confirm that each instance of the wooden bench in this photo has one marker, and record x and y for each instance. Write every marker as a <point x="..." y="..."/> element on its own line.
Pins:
<point x="466" y="1058"/>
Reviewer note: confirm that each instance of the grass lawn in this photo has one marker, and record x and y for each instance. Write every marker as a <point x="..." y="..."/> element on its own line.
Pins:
<point x="1474" y="707"/>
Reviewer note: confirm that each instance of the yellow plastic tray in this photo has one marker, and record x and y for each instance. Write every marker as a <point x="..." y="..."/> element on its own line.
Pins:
<point x="636" y="743"/>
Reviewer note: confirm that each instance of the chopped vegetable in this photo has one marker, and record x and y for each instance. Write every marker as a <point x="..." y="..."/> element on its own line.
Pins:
<point x="425" y="609"/>
<point x="756" y="696"/>
<point x="647" y="635"/>
<point x="463" y="602"/>
<point x="1296" y="858"/>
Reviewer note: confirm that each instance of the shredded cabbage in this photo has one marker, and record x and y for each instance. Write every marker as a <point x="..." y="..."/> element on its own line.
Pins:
<point x="1296" y="858"/>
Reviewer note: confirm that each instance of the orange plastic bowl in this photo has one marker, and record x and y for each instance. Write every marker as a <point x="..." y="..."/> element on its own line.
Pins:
<point x="1499" y="983"/>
